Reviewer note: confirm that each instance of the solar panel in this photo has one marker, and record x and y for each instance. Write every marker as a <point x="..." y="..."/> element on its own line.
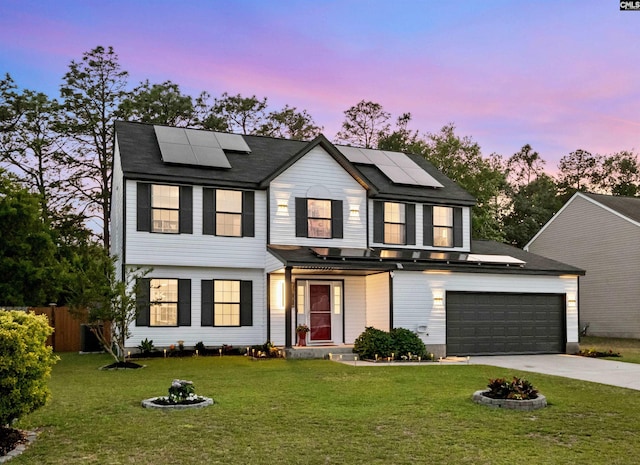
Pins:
<point x="234" y="142"/>
<point x="193" y="147"/>
<point x="202" y="138"/>
<point x="501" y="259"/>
<point x="397" y="166"/>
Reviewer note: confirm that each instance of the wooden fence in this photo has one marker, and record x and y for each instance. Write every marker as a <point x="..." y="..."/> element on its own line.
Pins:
<point x="69" y="334"/>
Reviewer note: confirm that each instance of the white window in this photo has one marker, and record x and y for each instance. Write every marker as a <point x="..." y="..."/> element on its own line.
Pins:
<point x="443" y="226"/>
<point x="226" y="306"/>
<point x="228" y="213"/>
<point x="394" y="223"/>
<point x="319" y="218"/>
<point x="163" y="299"/>
<point x="165" y="209"/>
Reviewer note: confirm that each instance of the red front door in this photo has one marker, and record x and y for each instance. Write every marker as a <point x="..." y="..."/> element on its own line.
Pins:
<point x="320" y="312"/>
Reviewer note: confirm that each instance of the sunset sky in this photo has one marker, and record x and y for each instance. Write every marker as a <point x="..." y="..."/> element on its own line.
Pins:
<point x="559" y="75"/>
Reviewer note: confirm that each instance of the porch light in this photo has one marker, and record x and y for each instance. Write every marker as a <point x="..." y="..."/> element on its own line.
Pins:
<point x="438" y="298"/>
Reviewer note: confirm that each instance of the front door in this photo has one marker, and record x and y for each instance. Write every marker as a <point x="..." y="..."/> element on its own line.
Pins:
<point x="320" y="312"/>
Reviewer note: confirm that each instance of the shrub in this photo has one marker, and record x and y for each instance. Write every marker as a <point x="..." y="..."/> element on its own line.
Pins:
<point x="146" y="346"/>
<point x="518" y="388"/>
<point x="25" y="363"/>
<point x="405" y="342"/>
<point x="200" y="347"/>
<point x="593" y="353"/>
<point x="373" y="342"/>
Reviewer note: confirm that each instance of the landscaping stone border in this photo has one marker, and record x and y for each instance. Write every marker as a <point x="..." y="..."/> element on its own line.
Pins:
<point x="20" y="448"/>
<point x="513" y="404"/>
<point x="148" y="403"/>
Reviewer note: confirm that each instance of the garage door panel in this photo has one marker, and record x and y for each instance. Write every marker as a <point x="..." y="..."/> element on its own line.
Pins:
<point x="495" y="323"/>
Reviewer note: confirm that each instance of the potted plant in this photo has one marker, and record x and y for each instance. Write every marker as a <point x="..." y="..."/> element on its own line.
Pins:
<point x="302" y="331"/>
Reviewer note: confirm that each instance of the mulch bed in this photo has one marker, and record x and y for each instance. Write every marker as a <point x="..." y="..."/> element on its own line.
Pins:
<point x="10" y="438"/>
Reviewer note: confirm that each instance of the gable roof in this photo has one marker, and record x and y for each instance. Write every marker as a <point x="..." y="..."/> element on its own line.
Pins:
<point x="627" y="208"/>
<point x="141" y="159"/>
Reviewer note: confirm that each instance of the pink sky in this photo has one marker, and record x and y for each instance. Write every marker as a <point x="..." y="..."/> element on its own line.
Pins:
<point x="556" y="75"/>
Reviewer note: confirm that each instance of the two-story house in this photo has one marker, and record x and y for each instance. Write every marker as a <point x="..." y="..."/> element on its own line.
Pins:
<point x="248" y="236"/>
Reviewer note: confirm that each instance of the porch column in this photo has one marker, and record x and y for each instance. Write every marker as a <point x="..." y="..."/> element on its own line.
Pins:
<point x="288" y="309"/>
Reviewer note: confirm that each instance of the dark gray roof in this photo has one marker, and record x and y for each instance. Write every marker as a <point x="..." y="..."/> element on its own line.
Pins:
<point x="626" y="206"/>
<point x="305" y="258"/>
<point x="141" y="159"/>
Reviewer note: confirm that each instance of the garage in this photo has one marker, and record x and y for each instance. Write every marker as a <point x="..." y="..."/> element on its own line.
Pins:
<point x="481" y="323"/>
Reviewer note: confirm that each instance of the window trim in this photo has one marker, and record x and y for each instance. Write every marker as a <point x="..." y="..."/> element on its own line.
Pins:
<point x="156" y="302"/>
<point x="428" y="227"/>
<point x="143" y="302"/>
<point x="207" y="309"/>
<point x="329" y="219"/>
<point x="144" y="209"/>
<point x="226" y="303"/>
<point x="440" y="226"/>
<point x="224" y="212"/>
<point x="161" y="209"/>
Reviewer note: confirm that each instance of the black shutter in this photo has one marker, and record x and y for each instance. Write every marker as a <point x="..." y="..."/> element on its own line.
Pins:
<point x="378" y="221"/>
<point x="143" y="207"/>
<point x="142" y="301"/>
<point x="410" y="224"/>
<point x="186" y="209"/>
<point x="427" y="225"/>
<point x="457" y="227"/>
<point x="336" y="219"/>
<point x="246" y="303"/>
<point x="184" y="302"/>
<point x="302" y="229"/>
<point x="206" y="308"/>
<point x="208" y="211"/>
<point x="248" y="207"/>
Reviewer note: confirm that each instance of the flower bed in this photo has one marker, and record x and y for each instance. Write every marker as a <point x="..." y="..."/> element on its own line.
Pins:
<point x="517" y="394"/>
<point x="181" y="396"/>
<point x="480" y="397"/>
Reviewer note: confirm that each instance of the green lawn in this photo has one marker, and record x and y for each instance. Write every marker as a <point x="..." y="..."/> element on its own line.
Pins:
<point x="628" y="348"/>
<point x="321" y="412"/>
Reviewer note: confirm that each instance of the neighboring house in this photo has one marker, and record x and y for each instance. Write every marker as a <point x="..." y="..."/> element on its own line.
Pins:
<point x="248" y="236"/>
<point x="600" y="234"/>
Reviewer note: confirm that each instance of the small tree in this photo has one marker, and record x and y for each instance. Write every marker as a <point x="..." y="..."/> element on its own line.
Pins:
<point x="25" y="364"/>
<point x="107" y="306"/>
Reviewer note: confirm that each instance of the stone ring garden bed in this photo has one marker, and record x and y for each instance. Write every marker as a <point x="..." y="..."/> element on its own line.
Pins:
<point x="149" y="403"/>
<point x="539" y="402"/>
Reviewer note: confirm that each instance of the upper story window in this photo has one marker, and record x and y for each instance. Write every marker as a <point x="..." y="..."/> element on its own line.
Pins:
<point x="163" y="302"/>
<point x="394" y="223"/>
<point x="319" y="218"/>
<point x="443" y="226"/>
<point x="164" y="209"/>
<point x="228" y="212"/>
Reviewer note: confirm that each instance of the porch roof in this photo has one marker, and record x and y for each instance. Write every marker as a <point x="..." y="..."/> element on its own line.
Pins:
<point x="484" y="257"/>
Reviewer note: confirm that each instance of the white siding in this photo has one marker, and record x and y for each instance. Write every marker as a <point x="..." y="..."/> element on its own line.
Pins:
<point x="145" y="248"/>
<point x="210" y="335"/>
<point x="117" y="212"/>
<point x="355" y="302"/>
<point x="317" y="175"/>
<point x="586" y="235"/>
<point x="378" y="301"/>
<point x="277" y="309"/>
<point x="466" y="231"/>
<point x="272" y="263"/>
<point x="414" y="292"/>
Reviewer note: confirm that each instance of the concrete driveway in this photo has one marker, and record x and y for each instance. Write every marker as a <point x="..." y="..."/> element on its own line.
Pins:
<point x="620" y="374"/>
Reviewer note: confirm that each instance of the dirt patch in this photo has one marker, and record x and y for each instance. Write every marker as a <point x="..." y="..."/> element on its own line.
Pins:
<point x="10" y="438"/>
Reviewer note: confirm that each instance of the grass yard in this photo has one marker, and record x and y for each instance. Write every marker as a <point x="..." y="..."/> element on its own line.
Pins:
<point x="628" y="348"/>
<point x="321" y="412"/>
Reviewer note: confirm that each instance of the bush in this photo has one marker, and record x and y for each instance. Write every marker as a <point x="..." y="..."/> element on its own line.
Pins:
<point x="25" y="364"/>
<point x="373" y="342"/>
<point x="593" y="353"/>
<point x="405" y="342"/>
<point x="146" y="346"/>
<point x="518" y="388"/>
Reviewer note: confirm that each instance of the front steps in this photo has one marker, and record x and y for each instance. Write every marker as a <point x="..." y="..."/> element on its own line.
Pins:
<point x="318" y="351"/>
